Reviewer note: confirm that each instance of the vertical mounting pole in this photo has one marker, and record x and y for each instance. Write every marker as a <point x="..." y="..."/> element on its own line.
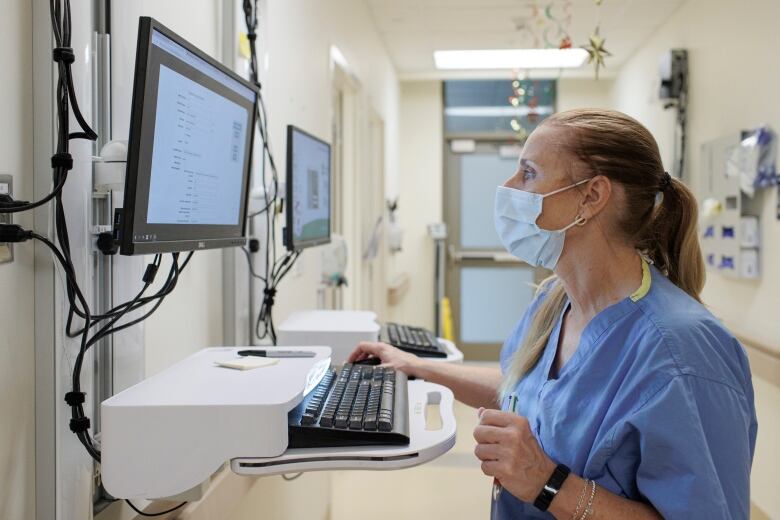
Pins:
<point x="102" y="215"/>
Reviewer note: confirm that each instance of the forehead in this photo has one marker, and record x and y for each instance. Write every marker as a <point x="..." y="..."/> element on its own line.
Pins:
<point x="544" y="149"/>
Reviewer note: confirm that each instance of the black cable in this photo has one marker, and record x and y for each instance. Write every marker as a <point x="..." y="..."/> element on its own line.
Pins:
<point x="275" y="267"/>
<point x="163" y="291"/>
<point x="157" y="305"/>
<point x="265" y="315"/>
<point x="251" y="267"/>
<point x="109" y="322"/>
<point x="161" y="513"/>
<point x="62" y="54"/>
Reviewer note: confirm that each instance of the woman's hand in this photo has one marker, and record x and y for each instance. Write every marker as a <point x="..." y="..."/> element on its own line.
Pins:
<point x="511" y="454"/>
<point x="388" y="355"/>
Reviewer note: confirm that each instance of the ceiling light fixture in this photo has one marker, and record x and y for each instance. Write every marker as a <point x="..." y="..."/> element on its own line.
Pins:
<point x="510" y="59"/>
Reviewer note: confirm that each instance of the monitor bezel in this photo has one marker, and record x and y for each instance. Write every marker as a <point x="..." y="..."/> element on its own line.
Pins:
<point x="289" y="236"/>
<point x="146" y="27"/>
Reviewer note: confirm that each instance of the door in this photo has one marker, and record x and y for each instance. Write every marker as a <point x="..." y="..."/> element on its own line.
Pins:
<point x="488" y="288"/>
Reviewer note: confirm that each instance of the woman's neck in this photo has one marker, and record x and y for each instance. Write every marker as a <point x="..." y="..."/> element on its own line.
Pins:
<point x="599" y="277"/>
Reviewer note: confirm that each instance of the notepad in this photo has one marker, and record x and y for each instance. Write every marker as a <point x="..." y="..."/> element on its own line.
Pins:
<point x="247" y="363"/>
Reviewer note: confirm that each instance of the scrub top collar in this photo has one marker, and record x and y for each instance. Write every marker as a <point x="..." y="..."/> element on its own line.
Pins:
<point x="596" y="328"/>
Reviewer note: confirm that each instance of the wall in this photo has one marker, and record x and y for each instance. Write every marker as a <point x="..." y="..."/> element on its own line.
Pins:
<point x="584" y="93"/>
<point x="17" y="432"/>
<point x="420" y="203"/>
<point x="732" y="48"/>
<point x="297" y="78"/>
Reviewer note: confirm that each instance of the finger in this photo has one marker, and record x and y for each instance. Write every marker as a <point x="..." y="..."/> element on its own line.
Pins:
<point x="499" y="418"/>
<point x="363" y="350"/>
<point x="479" y="412"/>
<point x="486" y="452"/>
<point x="490" y="434"/>
<point x="492" y="468"/>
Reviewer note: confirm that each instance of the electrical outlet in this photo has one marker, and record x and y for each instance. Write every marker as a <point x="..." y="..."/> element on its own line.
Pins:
<point x="6" y="188"/>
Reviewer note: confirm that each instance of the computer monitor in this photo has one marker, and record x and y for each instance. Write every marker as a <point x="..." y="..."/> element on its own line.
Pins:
<point x="308" y="190"/>
<point x="190" y="149"/>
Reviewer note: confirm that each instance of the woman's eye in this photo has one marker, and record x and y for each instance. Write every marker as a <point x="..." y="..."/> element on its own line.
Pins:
<point x="528" y="174"/>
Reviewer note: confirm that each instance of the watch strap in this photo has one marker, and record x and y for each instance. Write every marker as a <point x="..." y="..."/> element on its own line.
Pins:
<point x="551" y="488"/>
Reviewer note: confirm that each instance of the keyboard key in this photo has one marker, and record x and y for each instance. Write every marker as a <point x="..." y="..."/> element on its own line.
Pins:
<point x="385" y="425"/>
<point x="369" y="423"/>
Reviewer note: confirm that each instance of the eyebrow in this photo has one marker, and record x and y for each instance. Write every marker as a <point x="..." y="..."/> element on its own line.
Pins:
<point x="528" y="162"/>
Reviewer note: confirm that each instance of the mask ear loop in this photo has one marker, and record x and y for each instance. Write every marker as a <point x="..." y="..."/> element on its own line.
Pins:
<point x="578" y="221"/>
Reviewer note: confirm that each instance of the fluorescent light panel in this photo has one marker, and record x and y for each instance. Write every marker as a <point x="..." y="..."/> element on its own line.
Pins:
<point x="510" y="59"/>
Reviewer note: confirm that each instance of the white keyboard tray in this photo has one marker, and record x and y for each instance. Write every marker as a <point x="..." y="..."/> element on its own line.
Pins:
<point x="453" y="354"/>
<point x="426" y="444"/>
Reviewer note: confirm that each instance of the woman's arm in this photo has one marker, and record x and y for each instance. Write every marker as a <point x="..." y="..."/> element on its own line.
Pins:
<point x="475" y="386"/>
<point x="606" y="505"/>
<point x="511" y="454"/>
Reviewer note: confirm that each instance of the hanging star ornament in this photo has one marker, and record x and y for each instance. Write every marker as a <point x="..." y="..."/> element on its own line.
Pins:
<point x="596" y="51"/>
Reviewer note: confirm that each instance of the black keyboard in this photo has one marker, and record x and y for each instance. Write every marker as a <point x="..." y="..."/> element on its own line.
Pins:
<point x="358" y="405"/>
<point x="416" y="340"/>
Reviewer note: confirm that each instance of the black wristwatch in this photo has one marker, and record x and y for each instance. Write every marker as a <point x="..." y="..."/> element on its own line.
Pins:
<point x="552" y="487"/>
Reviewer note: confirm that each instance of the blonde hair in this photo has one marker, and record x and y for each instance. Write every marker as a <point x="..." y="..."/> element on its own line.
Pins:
<point x="614" y="145"/>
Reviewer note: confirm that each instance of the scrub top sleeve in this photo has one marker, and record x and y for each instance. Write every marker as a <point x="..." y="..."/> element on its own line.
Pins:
<point x="690" y="448"/>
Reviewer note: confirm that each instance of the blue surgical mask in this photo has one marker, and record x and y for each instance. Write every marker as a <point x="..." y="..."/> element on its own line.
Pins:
<point x="515" y="216"/>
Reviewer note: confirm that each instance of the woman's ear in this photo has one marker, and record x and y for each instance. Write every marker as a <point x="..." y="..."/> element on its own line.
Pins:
<point x="597" y="194"/>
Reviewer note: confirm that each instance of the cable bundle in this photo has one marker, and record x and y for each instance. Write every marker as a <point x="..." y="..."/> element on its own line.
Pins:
<point x="276" y="270"/>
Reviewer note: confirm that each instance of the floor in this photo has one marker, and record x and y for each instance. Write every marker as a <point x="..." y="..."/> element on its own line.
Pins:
<point x="416" y="493"/>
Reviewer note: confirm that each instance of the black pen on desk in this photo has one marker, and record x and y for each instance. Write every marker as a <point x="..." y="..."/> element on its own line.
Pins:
<point x="278" y="353"/>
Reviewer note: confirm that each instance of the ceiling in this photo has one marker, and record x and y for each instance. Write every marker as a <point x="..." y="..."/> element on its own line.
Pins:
<point x="413" y="29"/>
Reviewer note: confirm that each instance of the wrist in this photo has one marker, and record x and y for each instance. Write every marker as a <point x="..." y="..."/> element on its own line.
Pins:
<point x="419" y="368"/>
<point x="553" y="477"/>
<point x="565" y="502"/>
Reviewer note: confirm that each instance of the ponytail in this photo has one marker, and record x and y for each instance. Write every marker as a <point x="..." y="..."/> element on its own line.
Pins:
<point x="614" y="145"/>
<point x="675" y="246"/>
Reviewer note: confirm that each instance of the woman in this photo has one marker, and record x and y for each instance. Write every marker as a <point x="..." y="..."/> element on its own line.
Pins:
<point x="619" y="394"/>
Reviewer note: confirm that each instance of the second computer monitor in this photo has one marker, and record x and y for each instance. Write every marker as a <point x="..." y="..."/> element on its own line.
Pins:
<point x="308" y="190"/>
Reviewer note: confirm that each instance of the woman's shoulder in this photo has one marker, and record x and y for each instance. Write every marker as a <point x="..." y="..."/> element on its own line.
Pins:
<point x="686" y="339"/>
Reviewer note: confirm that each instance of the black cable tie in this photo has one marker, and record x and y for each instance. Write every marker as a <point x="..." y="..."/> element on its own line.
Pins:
<point x="63" y="54"/>
<point x="251" y="36"/>
<point x="79" y="424"/>
<point x="149" y="275"/>
<point x="75" y="398"/>
<point x="269" y="297"/>
<point x="62" y="160"/>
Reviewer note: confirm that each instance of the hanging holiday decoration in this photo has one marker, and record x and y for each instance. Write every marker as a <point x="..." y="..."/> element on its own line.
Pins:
<point x="596" y="51"/>
<point x="533" y="100"/>
<point x="542" y="24"/>
<point x="595" y="47"/>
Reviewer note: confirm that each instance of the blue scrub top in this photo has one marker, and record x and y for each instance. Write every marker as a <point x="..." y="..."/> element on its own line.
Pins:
<point x="655" y="405"/>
